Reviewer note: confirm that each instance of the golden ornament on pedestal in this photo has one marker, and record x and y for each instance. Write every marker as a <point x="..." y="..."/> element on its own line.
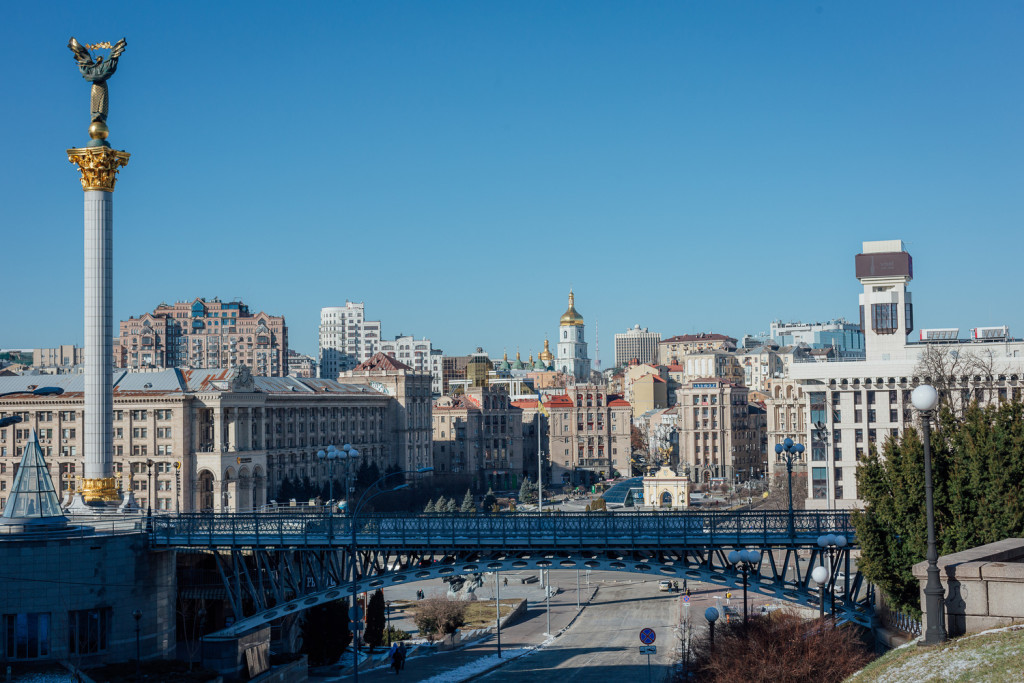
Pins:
<point x="100" y="490"/>
<point x="98" y="165"/>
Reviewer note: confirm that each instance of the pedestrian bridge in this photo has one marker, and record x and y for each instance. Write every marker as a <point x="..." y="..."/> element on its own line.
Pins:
<point x="275" y="564"/>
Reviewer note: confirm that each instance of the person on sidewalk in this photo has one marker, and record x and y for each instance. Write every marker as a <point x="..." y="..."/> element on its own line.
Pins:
<point x="400" y="654"/>
<point x="506" y="582"/>
<point x="393" y="656"/>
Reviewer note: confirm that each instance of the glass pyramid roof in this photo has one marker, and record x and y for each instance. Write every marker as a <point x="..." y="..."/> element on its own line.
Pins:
<point x="33" y="498"/>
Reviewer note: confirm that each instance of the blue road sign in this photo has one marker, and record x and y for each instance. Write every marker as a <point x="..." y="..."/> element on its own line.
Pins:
<point x="686" y="598"/>
<point x="647" y="636"/>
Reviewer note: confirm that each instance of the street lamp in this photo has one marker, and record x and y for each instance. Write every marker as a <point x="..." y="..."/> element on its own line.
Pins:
<point x="821" y="432"/>
<point x="820" y="576"/>
<point x="149" y="476"/>
<point x="711" y="614"/>
<point x="368" y="495"/>
<point x="791" y="451"/>
<point x="137" y="614"/>
<point x="330" y="456"/>
<point x="831" y="543"/>
<point x="746" y="560"/>
<point x="925" y="399"/>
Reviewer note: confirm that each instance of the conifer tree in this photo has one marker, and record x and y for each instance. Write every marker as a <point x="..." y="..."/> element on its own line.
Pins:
<point x="467" y="503"/>
<point x="429" y="507"/>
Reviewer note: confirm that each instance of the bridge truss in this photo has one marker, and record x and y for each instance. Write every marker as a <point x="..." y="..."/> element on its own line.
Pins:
<point x="275" y="565"/>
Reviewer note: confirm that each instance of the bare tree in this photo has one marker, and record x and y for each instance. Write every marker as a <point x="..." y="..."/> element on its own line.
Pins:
<point x="960" y="376"/>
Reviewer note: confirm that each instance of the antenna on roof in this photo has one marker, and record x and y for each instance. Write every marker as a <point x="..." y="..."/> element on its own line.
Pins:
<point x="597" y="346"/>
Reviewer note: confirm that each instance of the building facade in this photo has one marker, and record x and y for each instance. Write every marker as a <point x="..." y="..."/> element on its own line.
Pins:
<point x="837" y="333"/>
<point x="235" y="437"/>
<point x="301" y="365"/>
<point x="672" y="350"/>
<point x="718" y="440"/>
<point x="61" y="359"/>
<point x="479" y="433"/>
<point x="588" y="434"/>
<point x="409" y="414"/>
<point x="204" y="334"/>
<point x="856" y="403"/>
<point x="636" y="344"/>
<point x="346" y="338"/>
<point x="572" y="357"/>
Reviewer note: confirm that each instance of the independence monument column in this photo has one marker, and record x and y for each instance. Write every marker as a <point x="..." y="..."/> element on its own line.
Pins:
<point x="99" y="165"/>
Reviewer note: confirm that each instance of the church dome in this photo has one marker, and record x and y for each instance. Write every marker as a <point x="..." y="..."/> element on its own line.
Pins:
<point x="517" y="364"/>
<point x="571" y="316"/>
<point x="503" y="366"/>
<point x="546" y="354"/>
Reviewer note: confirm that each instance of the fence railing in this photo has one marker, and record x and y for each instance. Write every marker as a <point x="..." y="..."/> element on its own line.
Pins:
<point x="319" y="528"/>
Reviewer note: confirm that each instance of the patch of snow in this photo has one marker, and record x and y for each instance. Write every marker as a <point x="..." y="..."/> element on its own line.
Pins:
<point x="477" y="666"/>
<point x="45" y="678"/>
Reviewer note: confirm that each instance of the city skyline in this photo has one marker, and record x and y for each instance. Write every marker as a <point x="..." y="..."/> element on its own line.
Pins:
<point x="560" y="147"/>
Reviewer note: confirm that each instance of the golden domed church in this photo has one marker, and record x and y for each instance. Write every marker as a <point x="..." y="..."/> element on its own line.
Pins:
<point x="572" y="346"/>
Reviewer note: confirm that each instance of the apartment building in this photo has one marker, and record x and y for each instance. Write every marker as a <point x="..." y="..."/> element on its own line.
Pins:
<point x="671" y="350"/>
<point x="588" y="434"/>
<point x="479" y="433"/>
<point x="204" y="334"/>
<point x="720" y="437"/>
<point x="636" y="344"/>
<point x="346" y="338"/>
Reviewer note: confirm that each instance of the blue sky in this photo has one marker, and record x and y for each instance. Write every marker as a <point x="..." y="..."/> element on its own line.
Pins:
<point x="689" y="166"/>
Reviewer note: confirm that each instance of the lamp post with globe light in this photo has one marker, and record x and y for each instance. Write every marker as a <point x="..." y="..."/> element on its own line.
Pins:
<point x="745" y="560"/>
<point x="831" y="543"/>
<point x="820" y="576"/>
<point x="790" y="450"/>
<point x="925" y="398"/>
<point x="711" y="614"/>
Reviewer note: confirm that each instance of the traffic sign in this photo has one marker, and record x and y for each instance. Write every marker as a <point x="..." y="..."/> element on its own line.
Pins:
<point x="355" y="613"/>
<point x="686" y="599"/>
<point x="647" y="636"/>
<point x="648" y="649"/>
<point x="357" y="626"/>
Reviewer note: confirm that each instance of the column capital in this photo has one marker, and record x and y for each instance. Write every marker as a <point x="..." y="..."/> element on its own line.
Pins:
<point x="98" y="165"/>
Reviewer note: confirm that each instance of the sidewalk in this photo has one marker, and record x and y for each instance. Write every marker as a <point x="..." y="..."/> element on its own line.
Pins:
<point x="527" y="632"/>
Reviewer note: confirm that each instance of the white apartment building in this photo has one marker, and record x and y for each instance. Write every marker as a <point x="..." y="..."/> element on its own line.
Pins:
<point x="346" y="338"/>
<point x="854" y="403"/>
<point x="636" y="343"/>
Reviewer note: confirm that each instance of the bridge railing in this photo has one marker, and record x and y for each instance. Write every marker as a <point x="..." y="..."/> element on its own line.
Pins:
<point x="692" y="528"/>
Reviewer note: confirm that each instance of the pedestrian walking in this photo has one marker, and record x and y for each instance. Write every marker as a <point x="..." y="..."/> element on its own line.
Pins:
<point x="393" y="656"/>
<point x="506" y="581"/>
<point x="402" y="652"/>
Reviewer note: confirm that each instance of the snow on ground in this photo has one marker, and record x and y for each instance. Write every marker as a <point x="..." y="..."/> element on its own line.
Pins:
<point x="477" y="666"/>
<point x="64" y="677"/>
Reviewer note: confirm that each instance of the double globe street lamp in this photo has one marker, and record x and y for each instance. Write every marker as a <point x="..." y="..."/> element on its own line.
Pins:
<point x="746" y="561"/>
<point x="331" y="455"/>
<point x="790" y="450"/>
<point x="831" y="543"/>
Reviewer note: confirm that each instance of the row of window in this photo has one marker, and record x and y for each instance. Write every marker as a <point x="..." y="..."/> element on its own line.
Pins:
<point x="27" y="635"/>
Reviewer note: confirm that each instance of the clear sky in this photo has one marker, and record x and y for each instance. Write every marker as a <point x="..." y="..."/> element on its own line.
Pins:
<point x="689" y="166"/>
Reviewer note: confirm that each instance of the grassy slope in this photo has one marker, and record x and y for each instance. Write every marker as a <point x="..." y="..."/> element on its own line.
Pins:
<point x="991" y="656"/>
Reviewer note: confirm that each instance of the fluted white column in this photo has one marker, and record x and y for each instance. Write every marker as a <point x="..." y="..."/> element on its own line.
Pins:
<point x="99" y="333"/>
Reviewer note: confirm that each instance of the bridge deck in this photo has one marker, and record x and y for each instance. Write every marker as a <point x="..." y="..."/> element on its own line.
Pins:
<point x="524" y="530"/>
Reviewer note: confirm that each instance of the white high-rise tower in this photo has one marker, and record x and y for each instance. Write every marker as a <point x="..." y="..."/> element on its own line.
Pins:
<point x="572" y="346"/>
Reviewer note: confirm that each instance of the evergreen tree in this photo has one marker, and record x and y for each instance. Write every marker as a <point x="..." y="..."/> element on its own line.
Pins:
<point x="429" y="507"/>
<point x="451" y="506"/>
<point x="376" y="620"/>
<point x="977" y="467"/>
<point x="441" y="505"/>
<point x="525" y="491"/>
<point x="467" y="503"/>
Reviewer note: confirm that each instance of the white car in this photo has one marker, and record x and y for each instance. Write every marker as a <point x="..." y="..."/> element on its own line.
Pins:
<point x="840" y="584"/>
<point x="665" y="585"/>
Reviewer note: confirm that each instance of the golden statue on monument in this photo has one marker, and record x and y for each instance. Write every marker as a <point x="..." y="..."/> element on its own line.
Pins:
<point x="97" y="71"/>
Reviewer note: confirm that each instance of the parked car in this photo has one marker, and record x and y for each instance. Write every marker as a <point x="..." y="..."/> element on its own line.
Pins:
<point x="665" y="585"/>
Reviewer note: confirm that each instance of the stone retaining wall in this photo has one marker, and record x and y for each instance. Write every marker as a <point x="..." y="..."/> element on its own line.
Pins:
<point x="984" y="587"/>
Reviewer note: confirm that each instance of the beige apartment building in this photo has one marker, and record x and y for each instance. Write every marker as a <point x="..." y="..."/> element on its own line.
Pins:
<point x="409" y="414"/>
<point x="588" y="434"/>
<point x="480" y="434"/>
<point x="204" y="334"/>
<point x="719" y="440"/>
<point x="63" y="357"/>
<point x="234" y="437"/>
<point x="671" y="350"/>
